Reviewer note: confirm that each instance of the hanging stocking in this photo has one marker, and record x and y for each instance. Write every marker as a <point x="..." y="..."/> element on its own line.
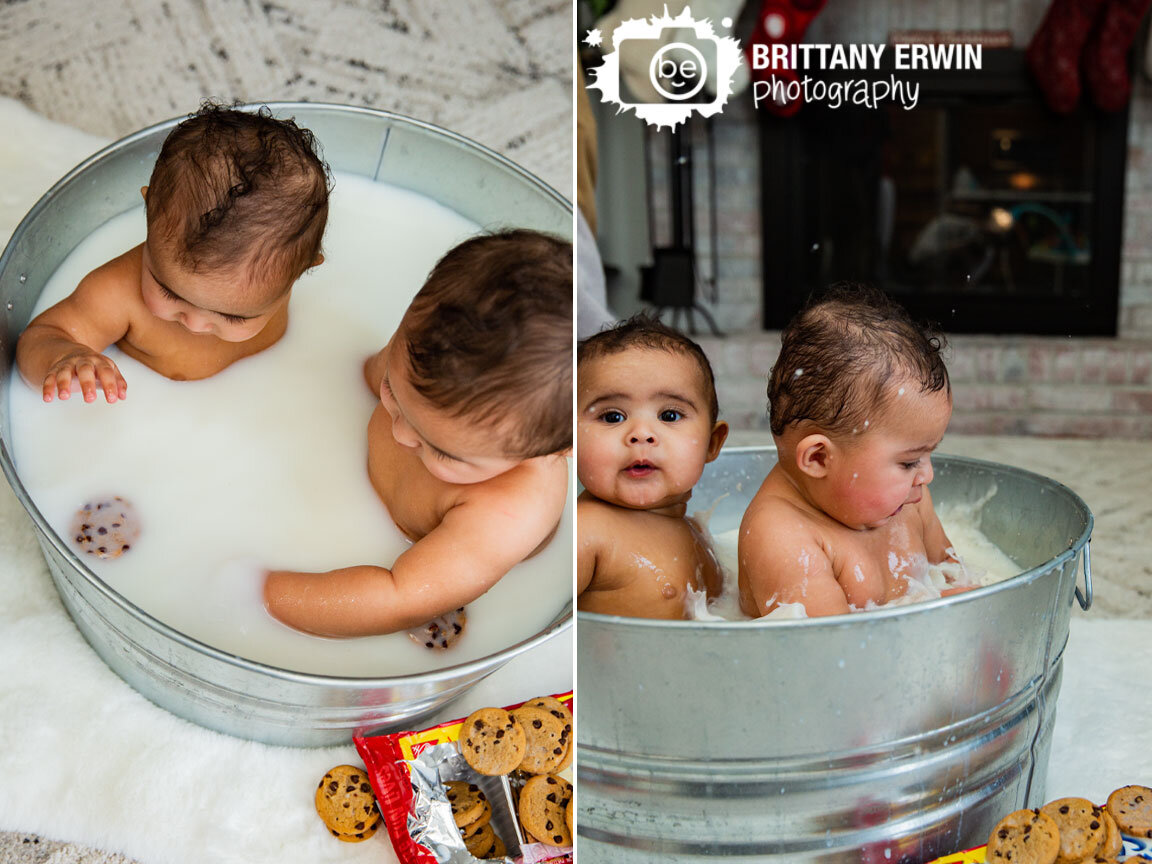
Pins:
<point x="1106" y="55"/>
<point x="781" y="22"/>
<point x="1055" y="51"/>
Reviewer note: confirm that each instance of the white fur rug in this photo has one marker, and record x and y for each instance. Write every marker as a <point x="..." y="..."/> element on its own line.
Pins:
<point x="85" y="758"/>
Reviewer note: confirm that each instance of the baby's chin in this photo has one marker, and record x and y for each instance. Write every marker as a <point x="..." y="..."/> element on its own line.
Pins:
<point x="638" y="499"/>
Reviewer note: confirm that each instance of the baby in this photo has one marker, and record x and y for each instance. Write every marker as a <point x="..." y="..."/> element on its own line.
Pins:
<point x="859" y="398"/>
<point x="467" y="446"/>
<point x="646" y="427"/>
<point x="236" y="208"/>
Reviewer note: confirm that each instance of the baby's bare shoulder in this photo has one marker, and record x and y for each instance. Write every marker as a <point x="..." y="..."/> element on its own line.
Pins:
<point x="535" y="487"/>
<point x="119" y="276"/>
<point x="771" y="514"/>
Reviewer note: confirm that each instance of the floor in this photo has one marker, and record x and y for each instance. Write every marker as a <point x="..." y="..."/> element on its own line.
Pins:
<point x="496" y="71"/>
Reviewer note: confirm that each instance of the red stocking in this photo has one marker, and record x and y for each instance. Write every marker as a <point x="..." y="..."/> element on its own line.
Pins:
<point x="1106" y="56"/>
<point x="781" y="22"/>
<point x="1054" y="53"/>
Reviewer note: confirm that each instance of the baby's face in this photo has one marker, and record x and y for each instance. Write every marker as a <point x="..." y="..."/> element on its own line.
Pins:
<point x="453" y="449"/>
<point x="885" y="466"/>
<point x="644" y="430"/>
<point x="225" y="305"/>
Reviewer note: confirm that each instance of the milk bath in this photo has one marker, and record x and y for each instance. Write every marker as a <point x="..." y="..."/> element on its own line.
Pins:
<point x="263" y="465"/>
<point x="982" y="562"/>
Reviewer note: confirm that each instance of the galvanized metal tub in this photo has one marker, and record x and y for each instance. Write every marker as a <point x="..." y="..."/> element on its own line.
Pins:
<point x="887" y="736"/>
<point x="191" y="679"/>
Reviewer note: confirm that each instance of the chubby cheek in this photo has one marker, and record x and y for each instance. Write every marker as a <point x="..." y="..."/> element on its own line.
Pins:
<point x="238" y="333"/>
<point x="158" y="305"/>
<point x="593" y="461"/>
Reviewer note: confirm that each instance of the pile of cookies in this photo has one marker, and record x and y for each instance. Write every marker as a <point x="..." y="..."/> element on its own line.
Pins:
<point x="1070" y="830"/>
<point x="533" y="743"/>
<point x="473" y="815"/>
<point x="346" y="803"/>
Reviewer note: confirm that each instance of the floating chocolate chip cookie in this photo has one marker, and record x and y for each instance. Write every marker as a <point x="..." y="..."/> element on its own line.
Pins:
<point x="441" y="632"/>
<point x="106" y="527"/>
<point x="1131" y="807"/>
<point x="346" y="803"/>
<point x="1024" y="837"/>
<point x="543" y="805"/>
<point x="491" y="741"/>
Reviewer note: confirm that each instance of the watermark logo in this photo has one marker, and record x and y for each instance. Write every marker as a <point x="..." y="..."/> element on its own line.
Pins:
<point x="671" y="67"/>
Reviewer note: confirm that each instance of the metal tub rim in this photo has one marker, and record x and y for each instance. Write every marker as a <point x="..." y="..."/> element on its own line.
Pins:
<point x="45" y="533"/>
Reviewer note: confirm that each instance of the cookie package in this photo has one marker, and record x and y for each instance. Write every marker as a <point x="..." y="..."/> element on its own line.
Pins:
<point x="1118" y="831"/>
<point x="425" y="789"/>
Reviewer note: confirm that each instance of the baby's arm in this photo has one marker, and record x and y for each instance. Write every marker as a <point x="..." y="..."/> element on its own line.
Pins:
<point x="66" y="341"/>
<point x="782" y="561"/>
<point x="476" y="544"/>
<point x="937" y="546"/>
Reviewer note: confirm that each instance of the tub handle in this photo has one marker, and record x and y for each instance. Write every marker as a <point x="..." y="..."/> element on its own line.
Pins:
<point x="1085" y="599"/>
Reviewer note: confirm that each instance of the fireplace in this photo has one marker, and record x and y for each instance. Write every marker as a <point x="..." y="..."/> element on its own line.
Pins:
<point x="979" y="209"/>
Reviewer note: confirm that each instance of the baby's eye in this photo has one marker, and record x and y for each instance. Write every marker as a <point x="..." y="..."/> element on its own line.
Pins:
<point x="612" y="416"/>
<point x="167" y="293"/>
<point x="233" y="319"/>
<point x="441" y="455"/>
<point x="670" y="415"/>
<point x="909" y="466"/>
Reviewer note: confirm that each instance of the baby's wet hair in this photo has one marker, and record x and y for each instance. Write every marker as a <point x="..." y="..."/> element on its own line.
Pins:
<point x="489" y="337"/>
<point x="645" y="330"/>
<point x="840" y="352"/>
<point x="237" y="187"/>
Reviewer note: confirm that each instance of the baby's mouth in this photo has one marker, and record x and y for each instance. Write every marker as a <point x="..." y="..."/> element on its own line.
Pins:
<point x="640" y="469"/>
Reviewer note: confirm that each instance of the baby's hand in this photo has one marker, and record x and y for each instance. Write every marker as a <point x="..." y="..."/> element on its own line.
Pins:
<point x="91" y="369"/>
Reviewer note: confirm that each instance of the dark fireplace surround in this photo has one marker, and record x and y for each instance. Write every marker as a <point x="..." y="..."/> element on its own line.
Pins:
<point x="980" y="209"/>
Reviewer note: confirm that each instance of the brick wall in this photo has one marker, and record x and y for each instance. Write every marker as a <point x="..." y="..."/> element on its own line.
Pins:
<point x="1092" y="387"/>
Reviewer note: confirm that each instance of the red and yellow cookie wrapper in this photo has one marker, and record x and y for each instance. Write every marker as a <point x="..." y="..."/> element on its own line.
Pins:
<point x="386" y="758"/>
<point x="972" y="856"/>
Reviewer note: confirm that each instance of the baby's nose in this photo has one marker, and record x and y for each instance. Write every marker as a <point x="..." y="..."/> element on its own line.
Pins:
<point x="195" y="323"/>
<point x="641" y="434"/>
<point x="926" y="473"/>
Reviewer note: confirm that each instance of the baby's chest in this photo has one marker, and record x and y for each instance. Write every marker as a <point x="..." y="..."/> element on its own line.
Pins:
<point x="874" y="567"/>
<point x="177" y="354"/>
<point x="415" y="499"/>
<point x="659" y="561"/>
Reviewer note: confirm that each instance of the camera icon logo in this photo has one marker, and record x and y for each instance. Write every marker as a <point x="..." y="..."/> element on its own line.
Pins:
<point x="667" y="68"/>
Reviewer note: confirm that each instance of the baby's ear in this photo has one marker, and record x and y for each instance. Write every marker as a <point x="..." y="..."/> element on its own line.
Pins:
<point x="144" y="193"/>
<point x="716" y="441"/>
<point x="812" y="454"/>
<point x="318" y="260"/>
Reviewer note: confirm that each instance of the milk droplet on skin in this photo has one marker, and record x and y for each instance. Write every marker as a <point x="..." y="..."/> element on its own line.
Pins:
<point x="900" y="392"/>
<point x="865" y="424"/>
<point x="797" y="373"/>
<point x="859" y="573"/>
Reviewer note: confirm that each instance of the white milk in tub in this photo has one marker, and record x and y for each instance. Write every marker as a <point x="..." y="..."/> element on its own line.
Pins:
<point x="263" y="465"/>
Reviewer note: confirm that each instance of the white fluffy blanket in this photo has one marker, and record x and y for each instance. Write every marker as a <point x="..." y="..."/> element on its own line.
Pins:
<point x="83" y="757"/>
